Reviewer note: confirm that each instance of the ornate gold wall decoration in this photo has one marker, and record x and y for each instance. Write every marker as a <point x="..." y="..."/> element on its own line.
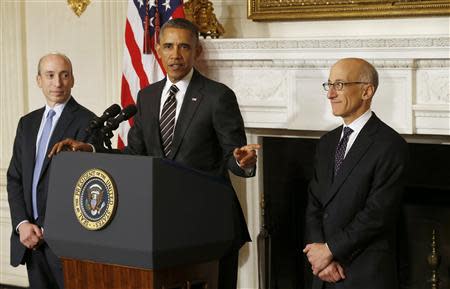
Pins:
<point x="78" y="6"/>
<point x="260" y="10"/>
<point x="201" y="12"/>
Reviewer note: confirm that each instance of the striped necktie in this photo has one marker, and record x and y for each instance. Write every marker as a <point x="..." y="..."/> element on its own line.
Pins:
<point x="40" y="157"/>
<point x="340" y="150"/>
<point x="167" y="120"/>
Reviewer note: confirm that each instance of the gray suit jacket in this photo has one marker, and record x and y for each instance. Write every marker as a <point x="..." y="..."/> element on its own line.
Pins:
<point x="356" y="212"/>
<point x="72" y="123"/>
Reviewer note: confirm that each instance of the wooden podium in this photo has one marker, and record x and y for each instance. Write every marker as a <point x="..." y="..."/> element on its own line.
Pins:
<point x="169" y="228"/>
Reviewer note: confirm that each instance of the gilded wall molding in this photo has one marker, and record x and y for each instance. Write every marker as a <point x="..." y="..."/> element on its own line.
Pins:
<point x="263" y="10"/>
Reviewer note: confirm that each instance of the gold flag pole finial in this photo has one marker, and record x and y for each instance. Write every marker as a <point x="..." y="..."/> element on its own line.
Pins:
<point x="78" y="6"/>
<point x="201" y="13"/>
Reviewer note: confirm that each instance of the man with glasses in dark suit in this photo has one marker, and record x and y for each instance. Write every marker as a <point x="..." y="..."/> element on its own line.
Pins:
<point x="355" y="195"/>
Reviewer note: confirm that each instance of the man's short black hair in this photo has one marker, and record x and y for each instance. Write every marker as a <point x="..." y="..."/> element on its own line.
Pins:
<point x="180" y="23"/>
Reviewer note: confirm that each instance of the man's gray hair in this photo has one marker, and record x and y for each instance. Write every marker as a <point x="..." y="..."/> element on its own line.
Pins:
<point x="369" y="74"/>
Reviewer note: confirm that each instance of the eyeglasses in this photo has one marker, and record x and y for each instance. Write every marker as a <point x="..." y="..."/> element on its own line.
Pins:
<point x="339" y="85"/>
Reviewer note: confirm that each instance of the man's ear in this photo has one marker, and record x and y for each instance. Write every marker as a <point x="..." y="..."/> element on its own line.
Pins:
<point x="369" y="91"/>
<point x="158" y="48"/>
<point x="198" y="50"/>
<point x="39" y="80"/>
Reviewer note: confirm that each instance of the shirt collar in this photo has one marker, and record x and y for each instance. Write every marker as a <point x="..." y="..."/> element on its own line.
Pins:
<point x="58" y="108"/>
<point x="359" y="123"/>
<point x="182" y="84"/>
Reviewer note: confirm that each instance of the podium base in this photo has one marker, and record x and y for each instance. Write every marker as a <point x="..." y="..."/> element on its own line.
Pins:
<point x="87" y="274"/>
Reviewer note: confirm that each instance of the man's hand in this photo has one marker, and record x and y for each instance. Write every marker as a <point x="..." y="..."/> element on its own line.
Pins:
<point x="319" y="256"/>
<point x="30" y="235"/>
<point x="246" y="155"/>
<point x="332" y="273"/>
<point x="70" y="145"/>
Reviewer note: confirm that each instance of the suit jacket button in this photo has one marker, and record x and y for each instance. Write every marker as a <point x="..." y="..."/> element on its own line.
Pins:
<point x="325" y="215"/>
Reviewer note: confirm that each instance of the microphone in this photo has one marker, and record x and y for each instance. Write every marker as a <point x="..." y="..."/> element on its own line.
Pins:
<point x="97" y="122"/>
<point x="113" y="123"/>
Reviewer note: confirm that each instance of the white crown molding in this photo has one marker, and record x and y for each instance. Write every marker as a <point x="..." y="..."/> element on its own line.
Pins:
<point x="321" y="48"/>
<point x="310" y="63"/>
<point x="430" y="110"/>
<point x="433" y="63"/>
<point x="382" y="42"/>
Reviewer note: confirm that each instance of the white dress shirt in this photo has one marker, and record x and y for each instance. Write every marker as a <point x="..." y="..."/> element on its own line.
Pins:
<point x="356" y="126"/>
<point x="58" y="108"/>
<point x="182" y="87"/>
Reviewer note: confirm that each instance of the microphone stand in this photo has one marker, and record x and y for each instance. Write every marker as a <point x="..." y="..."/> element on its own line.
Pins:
<point x="105" y="137"/>
<point x="100" y="135"/>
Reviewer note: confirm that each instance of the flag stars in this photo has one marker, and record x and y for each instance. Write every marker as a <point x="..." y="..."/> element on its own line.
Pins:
<point x="141" y="3"/>
<point x="167" y="4"/>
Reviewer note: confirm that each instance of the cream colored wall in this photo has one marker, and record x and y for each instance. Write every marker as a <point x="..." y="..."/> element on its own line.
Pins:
<point x="30" y="29"/>
<point x="94" y="42"/>
<point x="13" y="103"/>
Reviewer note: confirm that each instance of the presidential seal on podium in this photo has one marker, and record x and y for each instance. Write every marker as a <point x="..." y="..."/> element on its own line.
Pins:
<point x="95" y="199"/>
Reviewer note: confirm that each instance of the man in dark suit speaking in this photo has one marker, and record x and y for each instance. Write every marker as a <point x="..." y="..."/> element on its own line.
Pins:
<point x="355" y="194"/>
<point x="28" y="172"/>
<point x="193" y="120"/>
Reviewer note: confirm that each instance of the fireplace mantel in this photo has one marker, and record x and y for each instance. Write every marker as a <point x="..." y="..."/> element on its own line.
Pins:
<point x="278" y="81"/>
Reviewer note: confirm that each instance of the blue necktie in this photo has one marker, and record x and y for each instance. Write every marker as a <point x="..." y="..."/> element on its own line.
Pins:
<point x="40" y="157"/>
<point x="340" y="150"/>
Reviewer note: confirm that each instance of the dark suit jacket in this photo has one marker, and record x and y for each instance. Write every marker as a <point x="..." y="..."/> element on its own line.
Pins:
<point x="356" y="212"/>
<point x="71" y="124"/>
<point x="208" y="128"/>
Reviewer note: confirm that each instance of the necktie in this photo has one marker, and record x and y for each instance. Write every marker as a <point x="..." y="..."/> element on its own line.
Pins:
<point x="167" y="120"/>
<point x="340" y="150"/>
<point x="40" y="156"/>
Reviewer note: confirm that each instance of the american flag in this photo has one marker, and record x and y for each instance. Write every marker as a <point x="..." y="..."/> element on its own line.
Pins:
<point x="141" y="67"/>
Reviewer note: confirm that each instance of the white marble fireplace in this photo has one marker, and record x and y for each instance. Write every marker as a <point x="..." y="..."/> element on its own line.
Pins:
<point x="278" y="86"/>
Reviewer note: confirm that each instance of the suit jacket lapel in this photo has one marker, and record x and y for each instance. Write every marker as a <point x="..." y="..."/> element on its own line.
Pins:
<point x="65" y="119"/>
<point x="155" y="106"/>
<point x="354" y="155"/>
<point x="331" y="151"/>
<point x="191" y="101"/>
<point x="30" y="152"/>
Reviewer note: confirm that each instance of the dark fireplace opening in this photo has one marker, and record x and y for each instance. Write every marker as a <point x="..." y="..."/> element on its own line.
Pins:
<point x="288" y="166"/>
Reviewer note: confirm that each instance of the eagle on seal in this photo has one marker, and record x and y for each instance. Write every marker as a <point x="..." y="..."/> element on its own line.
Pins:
<point x="94" y="200"/>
